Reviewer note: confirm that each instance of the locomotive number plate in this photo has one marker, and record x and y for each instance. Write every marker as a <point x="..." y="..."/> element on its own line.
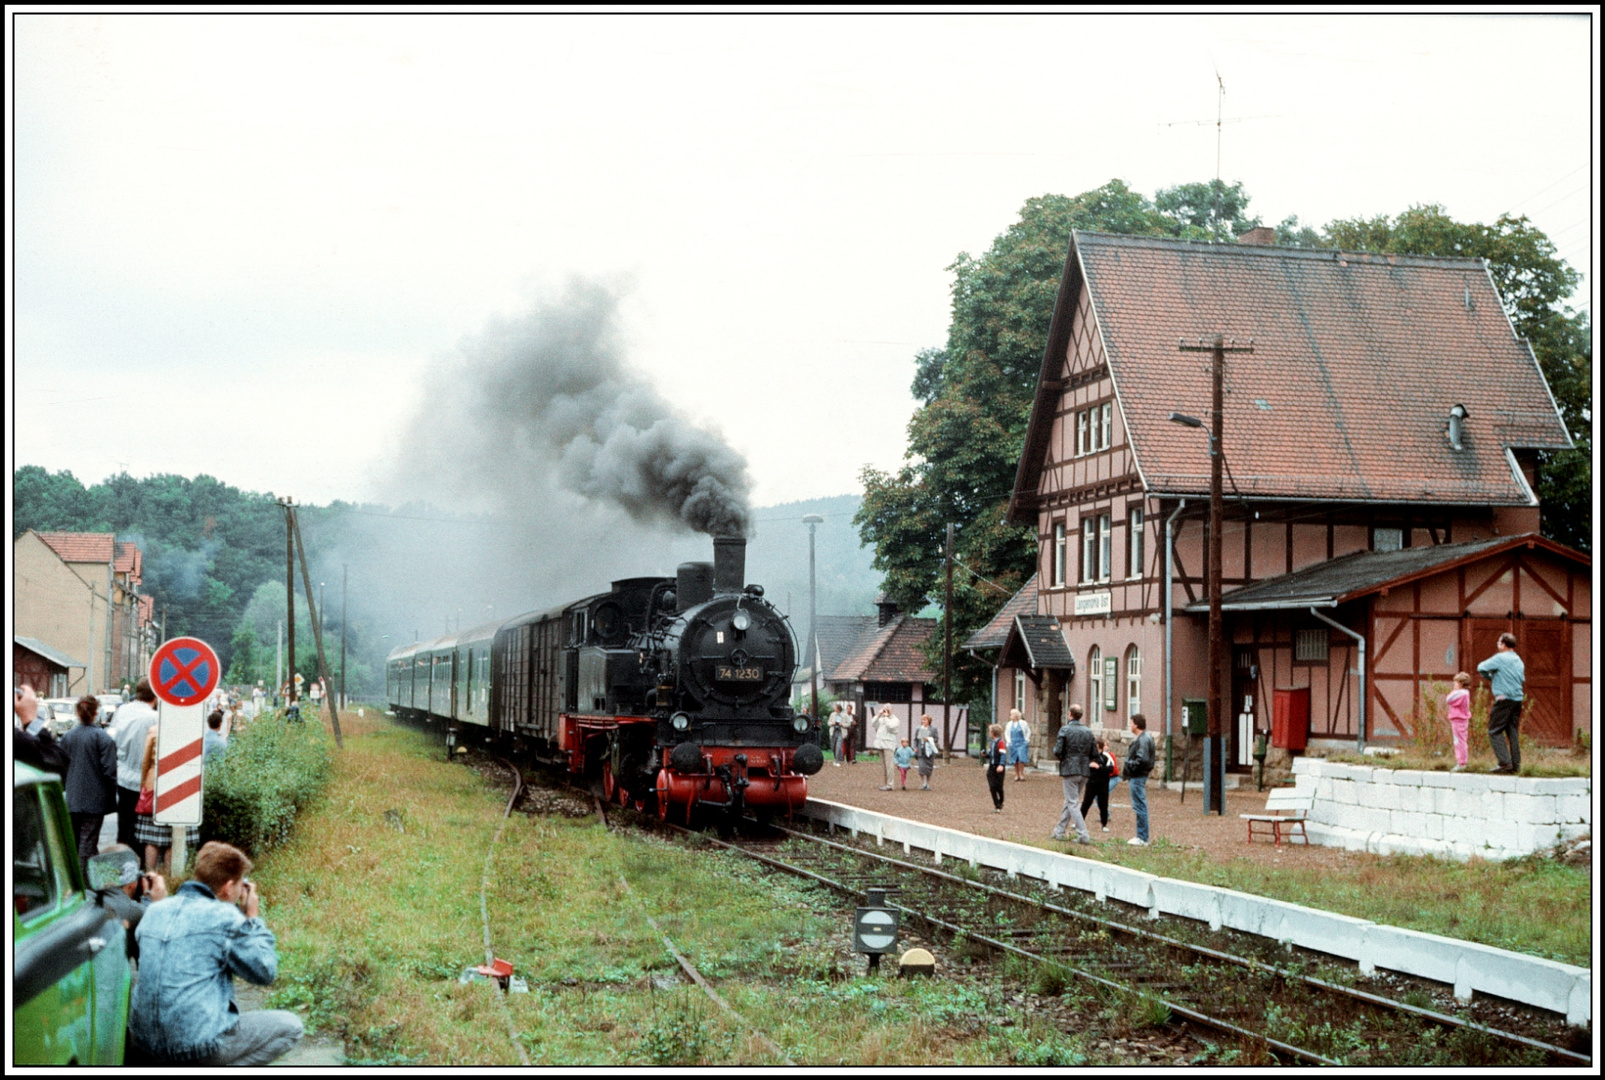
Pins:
<point x="731" y="673"/>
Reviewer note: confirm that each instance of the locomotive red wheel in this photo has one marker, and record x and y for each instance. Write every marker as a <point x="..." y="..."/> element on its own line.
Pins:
<point x="663" y="795"/>
<point x="610" y="786"/>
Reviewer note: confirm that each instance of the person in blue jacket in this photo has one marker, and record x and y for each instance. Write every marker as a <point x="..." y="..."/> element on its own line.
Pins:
<point x="191" y="946"/>
<point x="1509" y="677"/>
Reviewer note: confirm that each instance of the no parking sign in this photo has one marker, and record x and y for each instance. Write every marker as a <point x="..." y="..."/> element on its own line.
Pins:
<point x="183" y="673"/>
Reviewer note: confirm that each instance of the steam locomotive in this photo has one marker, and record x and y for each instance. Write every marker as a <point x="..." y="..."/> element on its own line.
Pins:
<point x="671" y="692"/>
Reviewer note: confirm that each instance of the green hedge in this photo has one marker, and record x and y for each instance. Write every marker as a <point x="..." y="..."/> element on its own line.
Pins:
<point x="271" y="771"/>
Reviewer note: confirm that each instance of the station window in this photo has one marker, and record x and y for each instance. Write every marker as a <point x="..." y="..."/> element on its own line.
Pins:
<point x="1311" y="645"/>
<point x="1058" y="554"/>
<point x="1111" y="683"/>
<point x="1094" y="680"/>
<point x="1133" y="681"/>
<point x="1387" y="539"/>
<point x="1019" y="691"/>
<point x="1081" y="433"/>
<point x="1106" y="539"/>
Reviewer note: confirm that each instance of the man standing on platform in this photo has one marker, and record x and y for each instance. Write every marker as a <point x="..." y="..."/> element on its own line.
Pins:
<point x="1073" y="748"/>
<point x="1509" y="676"/>
<point x="1139" y="763"/>
<point x="129" y="725"/>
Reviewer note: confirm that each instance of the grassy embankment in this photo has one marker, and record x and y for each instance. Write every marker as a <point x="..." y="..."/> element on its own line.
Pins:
<point x="1474" y="901"/>
<point x="377" y="914"/>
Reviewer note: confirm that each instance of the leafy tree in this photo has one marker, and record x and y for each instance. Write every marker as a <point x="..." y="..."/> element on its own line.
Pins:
<point x="1212" y="210"/>
<point x="964" y="444"/>
<point x="244" y="669"/>
<point x="1533" y="282"/>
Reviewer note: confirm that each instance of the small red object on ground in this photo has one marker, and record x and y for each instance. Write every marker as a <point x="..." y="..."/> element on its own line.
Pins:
<point x="496" y="969"/>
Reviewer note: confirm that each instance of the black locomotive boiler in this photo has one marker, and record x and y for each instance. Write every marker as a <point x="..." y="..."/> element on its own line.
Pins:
<point x="666" y="691"/>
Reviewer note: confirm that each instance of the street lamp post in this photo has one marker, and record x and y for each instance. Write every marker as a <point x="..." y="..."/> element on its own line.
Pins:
<point x="1214" y="755"/>
<point x="812" y="520"/>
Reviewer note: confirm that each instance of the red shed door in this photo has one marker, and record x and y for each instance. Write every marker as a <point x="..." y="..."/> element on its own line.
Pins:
<point x="1545" y="646"/>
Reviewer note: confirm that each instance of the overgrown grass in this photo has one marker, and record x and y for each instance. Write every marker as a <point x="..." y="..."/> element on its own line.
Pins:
<point x="377" y="914"/>
<point x="270" y="774"/>
<point x="1428" y="741"/>
<point x="1473" y="900"/>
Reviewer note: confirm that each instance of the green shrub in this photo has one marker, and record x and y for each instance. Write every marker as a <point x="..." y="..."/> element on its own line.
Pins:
<point x="271" y="771"/>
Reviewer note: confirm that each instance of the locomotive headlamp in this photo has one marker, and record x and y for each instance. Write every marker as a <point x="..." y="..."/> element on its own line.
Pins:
<point x="800" y="724"/>
<point x="680" y="720"/>
<point x="741" y="620"/>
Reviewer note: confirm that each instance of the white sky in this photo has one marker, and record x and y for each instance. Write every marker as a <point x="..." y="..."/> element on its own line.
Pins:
<point x="238" y="239"/>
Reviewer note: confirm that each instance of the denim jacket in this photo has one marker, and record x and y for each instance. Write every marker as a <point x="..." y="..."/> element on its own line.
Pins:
<point x="190" y="947"/>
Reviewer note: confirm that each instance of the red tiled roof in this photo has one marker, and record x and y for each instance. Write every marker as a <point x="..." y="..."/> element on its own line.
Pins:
<point x="130" y="561"/>
<point x="995" y="633"/>
<point x="893" y="653"/>
<point x="1357" y="360"/>
<point x="80" y="547"/>
<point x="147" y="610"/>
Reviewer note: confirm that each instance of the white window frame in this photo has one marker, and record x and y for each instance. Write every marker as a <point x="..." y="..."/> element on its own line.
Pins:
<point x="1019" y="691"/>
<point x="1133" y="681"/>
<point x="1081" y="433"/>
<point x="1094" y="680"/>
<point x="1060" y="555"/>
<point x="1106" y="539"/>
<point x="1089" y="548"/>
<point x="1106" y="425"/>
<point x="1134" y="543"/>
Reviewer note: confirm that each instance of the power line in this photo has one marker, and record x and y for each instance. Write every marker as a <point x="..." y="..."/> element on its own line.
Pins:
<point x="1545" y="188"/>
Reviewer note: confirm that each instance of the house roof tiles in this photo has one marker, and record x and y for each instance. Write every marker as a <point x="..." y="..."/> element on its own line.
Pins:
<point x="893" y="653"/>
<point x="1356" y="362"/>
<point x="996" y="632"/>
<point x="75" y="547"/>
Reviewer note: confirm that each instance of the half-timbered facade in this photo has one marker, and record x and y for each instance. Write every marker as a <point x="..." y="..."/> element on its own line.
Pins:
<point x="1386" y="407"/>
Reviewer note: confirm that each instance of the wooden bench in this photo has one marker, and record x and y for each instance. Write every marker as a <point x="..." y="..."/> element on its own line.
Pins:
<point x="1297" y="805"/>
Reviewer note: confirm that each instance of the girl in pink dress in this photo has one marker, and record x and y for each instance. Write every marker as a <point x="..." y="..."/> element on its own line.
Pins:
<point x="1459" y="706"/>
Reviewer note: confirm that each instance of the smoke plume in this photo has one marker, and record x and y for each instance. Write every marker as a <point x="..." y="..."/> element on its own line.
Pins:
<point x="549" y="395"/>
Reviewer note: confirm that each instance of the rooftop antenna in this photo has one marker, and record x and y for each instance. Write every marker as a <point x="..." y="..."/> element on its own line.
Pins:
<point x="1220" y="122"/>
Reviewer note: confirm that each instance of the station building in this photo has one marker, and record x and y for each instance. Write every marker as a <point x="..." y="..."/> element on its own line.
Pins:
<point x="1380" y="527"/>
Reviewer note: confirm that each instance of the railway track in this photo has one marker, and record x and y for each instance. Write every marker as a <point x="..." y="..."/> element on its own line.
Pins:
<point x="1271" y="1012"/>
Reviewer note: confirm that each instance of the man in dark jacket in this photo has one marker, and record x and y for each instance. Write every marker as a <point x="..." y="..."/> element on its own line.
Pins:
<point x="91" y="783"/>
<point x="1139" y="763"/>
<point x="1074" y="748"/>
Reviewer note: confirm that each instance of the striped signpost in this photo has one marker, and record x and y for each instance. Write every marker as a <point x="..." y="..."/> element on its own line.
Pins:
<point x="183" y="673"/>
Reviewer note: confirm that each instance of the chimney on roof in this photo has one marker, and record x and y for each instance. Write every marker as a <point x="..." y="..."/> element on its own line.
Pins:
<point x="1457" y="426"/>
<point x="1262" y="236"/>
<point x="887" y="608"/>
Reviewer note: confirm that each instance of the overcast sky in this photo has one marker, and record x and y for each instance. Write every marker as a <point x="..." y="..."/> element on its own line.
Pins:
<point x="240" y="240"/>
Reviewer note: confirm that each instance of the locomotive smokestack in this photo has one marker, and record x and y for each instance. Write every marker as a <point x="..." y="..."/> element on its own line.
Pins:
<point x="729" y="564"/>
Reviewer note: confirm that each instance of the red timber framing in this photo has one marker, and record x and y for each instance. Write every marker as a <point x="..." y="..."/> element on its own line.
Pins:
<point x="1421" y="631"/>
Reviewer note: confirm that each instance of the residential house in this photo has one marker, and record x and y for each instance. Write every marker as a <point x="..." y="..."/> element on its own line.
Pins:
<point x="77" y="594"/>
<point x="1380" y="528"/>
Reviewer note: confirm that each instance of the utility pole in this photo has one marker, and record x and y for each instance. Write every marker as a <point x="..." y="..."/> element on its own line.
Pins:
<point x="812" y="521"/>
<point x="344" y="596"/>
<point x="278" y="659"/>
<point x="289" y="592"/>
<point x="1214" y="752"/>
<point x="317" y="633"/>
<point x="947" y="649"/>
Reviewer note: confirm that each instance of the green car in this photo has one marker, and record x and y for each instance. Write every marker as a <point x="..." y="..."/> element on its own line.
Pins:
<point x="72" y="979"/>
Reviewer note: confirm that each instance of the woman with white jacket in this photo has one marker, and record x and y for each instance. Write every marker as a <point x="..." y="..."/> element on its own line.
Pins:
<point x="884" y="733"/>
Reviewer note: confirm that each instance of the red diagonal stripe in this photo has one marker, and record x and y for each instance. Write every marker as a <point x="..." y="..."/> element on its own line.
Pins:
<point x="179" y="756"/>
<point x="184" y="672"/>
<point x="174" y="796"/>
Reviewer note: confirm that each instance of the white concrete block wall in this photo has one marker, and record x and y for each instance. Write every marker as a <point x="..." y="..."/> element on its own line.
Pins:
<point x="1468" y="967"/>
<point x="1363" y="808"/>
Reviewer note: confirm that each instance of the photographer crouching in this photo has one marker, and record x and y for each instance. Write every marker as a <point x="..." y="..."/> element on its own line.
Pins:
<point x="190" y="948"/>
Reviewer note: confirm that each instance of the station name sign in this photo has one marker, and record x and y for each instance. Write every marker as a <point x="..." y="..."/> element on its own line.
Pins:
<point x="1098" y="603"/>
